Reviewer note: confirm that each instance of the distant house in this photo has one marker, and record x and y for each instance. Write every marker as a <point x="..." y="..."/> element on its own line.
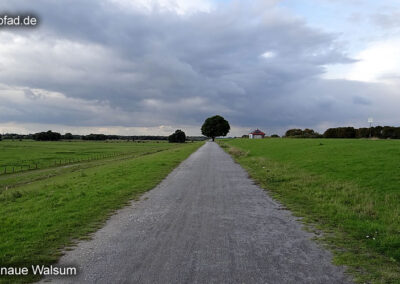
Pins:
<point x="256" y="134"/>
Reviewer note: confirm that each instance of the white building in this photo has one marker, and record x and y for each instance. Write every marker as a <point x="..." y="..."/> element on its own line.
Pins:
<point x="256" y="134"/>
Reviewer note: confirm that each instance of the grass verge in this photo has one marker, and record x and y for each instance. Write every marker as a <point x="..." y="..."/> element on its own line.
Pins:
<point x="41" y="218"/>
<point x="359" y="220"/>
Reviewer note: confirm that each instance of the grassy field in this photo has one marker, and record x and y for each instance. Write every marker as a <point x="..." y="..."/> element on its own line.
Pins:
<point x="23" y="155"/>
<point x="348" y="189"/>
<point x="44" y="211"/>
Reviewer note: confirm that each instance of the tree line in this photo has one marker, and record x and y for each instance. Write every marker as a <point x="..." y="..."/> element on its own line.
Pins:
<point x="55" y="136"/>
<point x="212" y="127"/>
<point x="382" y="132"/>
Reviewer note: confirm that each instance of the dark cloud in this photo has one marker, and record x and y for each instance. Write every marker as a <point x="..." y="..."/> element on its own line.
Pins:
<point x="119" y="66"/>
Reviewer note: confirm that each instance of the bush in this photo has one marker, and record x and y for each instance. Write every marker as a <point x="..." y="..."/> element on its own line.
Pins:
<point x="178" y="137"/>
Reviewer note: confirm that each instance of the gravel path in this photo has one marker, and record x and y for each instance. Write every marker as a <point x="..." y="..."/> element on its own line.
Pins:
<point x="207" y="222"/>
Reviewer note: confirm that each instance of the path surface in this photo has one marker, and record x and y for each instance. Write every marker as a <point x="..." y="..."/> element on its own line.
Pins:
<point x="207" y="222"/>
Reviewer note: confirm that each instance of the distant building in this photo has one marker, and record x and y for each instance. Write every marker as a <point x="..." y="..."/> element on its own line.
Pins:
<point x="256" y="134"/>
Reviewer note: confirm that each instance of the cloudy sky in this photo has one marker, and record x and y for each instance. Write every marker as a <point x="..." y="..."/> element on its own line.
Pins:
<point x="152" y="66"/>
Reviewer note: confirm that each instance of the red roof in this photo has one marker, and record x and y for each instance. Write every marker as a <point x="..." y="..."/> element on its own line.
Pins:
<point x="257" y="132"/>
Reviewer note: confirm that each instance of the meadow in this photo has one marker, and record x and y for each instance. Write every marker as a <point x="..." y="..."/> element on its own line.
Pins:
<point x="346" y="190"/>
<point x="17" y="156"/>
<point x="45" y="211"/>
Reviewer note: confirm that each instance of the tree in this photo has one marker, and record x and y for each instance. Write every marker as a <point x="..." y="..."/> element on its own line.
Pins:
<point x="97" y="137"/>
<point x="294" y="132"/>
<point x="306" y="133"/>
<point x="310" y="133"/>
<point x="363" y="132"/>
<point x="215" y="126"/>
<point x="47" y="136"/>
<point x="68" y="136"/>
<point x="347" y="132"/>
<point x="377" y="131"/>
<point x="178" y="137"/>
<point x="340" y="132"/>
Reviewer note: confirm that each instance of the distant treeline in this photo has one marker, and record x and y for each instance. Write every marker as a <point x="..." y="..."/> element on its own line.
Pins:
<point x="306" y="133"/>
<point x="55" y="136"/>
<point x="382" y="132"/>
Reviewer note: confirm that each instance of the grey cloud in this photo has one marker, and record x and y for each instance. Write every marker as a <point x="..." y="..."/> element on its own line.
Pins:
<point x="31" y="95"/>
<point x="361" y="101"/>
<point x="148" y="69"/>
<point x="387" y="20"/>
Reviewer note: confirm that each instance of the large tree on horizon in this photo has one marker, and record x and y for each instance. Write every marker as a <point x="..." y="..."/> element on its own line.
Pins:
<point x="215" y="126"/>
<point x="178" y="137"/>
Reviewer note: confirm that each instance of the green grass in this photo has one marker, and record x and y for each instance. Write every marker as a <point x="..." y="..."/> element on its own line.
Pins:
<point x="24" y="155"/>
<point x="83" y="154"/>
<point x="349" y="189"/>
<point x="52" y="208"/>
